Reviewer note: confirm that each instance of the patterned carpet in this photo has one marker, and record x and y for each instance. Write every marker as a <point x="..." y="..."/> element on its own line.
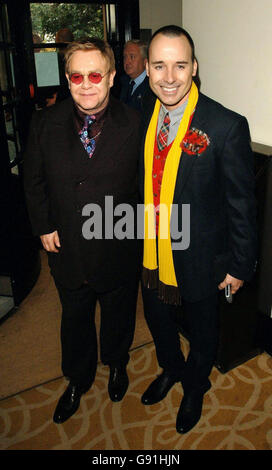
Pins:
<point x="237" y="413"/>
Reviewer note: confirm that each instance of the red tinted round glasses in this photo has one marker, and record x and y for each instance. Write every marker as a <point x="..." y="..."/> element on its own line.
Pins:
<point x="94" y="77"/>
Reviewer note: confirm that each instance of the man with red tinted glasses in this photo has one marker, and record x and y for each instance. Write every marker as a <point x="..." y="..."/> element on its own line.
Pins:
<point x="81" y="150"/>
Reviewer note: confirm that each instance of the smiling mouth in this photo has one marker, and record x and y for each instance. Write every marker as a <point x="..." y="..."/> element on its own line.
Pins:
<point x="169" y="89"/>
<point x="85" y="95"/>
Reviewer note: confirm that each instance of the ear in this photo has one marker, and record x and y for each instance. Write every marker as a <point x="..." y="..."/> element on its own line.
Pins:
<point x="147" y="68"/>
<point x="195" y="68"/>
<point x="68" y="80"/>
<point x="112" y="75"/>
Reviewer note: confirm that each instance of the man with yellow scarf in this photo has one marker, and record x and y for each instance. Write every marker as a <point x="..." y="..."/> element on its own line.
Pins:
<point x="196" y="155"/>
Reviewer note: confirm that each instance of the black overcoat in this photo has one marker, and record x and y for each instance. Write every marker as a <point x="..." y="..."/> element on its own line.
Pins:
<point x="218" y="185"/>
<point x="60" y="180"/>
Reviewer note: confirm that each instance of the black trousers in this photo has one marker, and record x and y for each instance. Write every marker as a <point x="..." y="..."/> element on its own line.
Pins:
<point x="78" y="329"/>
<point x="202" y="323"/>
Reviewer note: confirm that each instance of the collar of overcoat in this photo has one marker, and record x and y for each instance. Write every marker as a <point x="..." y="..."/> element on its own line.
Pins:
<point x="113" y="135"/>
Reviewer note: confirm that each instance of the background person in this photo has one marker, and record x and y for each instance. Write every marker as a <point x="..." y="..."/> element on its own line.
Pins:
<point x="135" y="83"/>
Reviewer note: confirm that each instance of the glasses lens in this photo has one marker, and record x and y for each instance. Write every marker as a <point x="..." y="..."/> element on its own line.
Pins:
<point x="76" y="78"/>
<point x="95" y="77"/>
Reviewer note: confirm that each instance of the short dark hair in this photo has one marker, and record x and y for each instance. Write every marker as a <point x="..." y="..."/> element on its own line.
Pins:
<point x="173" y="31"/>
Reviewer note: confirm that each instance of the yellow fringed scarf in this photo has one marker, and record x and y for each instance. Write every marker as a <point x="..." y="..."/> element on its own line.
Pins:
<point x="166" y="265"/>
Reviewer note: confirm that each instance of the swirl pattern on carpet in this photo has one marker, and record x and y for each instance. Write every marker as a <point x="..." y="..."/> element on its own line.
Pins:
<point x="237" y="413"/>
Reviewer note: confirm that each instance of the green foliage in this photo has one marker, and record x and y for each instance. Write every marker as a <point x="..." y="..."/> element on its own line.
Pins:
<point x="82" y="19"/>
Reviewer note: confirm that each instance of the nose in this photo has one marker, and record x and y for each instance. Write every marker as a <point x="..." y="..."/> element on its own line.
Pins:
<point x="127" y="60"/>
<point x="169" y="75"/>
<point x="86" y="82"/>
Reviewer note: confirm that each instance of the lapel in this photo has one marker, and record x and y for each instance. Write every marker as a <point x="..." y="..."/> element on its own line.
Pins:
<point x="187" y="161"/>
<point x="140" y="90"/>
<point x="71" y="150"/>
<point x="63" y="140"/>
<point x="114" y="132"/>
<point x="63" y="124"/>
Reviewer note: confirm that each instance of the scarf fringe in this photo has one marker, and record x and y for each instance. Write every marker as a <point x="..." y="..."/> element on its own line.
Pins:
<point x="167" y="294"/>
<point x="150" y="278"/>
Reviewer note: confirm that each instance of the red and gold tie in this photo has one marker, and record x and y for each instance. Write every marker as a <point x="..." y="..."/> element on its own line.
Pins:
<point x="163" y="134"/>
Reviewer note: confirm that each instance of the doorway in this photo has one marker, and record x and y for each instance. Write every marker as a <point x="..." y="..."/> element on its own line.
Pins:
<point x="54" y="26"/>
<point x="29" y="76"/>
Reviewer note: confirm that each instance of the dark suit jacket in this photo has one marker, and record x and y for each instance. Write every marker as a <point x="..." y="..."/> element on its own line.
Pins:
<point x="219" y="186"/>
<point x="60" y="180"/>
<point x="136" y="100"/>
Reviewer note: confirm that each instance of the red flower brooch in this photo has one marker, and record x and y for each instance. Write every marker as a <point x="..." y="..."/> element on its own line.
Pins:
<point x="195" y="142"/>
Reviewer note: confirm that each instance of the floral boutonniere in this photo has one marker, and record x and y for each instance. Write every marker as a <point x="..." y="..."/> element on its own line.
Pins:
<point x="195" y="142"/>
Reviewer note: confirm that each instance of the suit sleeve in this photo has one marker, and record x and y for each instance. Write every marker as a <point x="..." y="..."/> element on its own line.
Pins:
<point x="239" y="180"/>
<point x="35" y="184"/>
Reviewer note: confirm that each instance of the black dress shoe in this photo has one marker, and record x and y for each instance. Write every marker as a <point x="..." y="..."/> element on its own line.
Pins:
<point x="68" y="403"/>
<point x="158" y="389"/>
<point x="118" y="383"/>
<point x="189" y="412"/>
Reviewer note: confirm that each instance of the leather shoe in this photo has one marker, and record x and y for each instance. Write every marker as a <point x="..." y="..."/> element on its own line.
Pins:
<point x="118" y="383"/>
<point x="68" y="403"/>
<point x="190" y="411"/>
<point x="158" y="389"/>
